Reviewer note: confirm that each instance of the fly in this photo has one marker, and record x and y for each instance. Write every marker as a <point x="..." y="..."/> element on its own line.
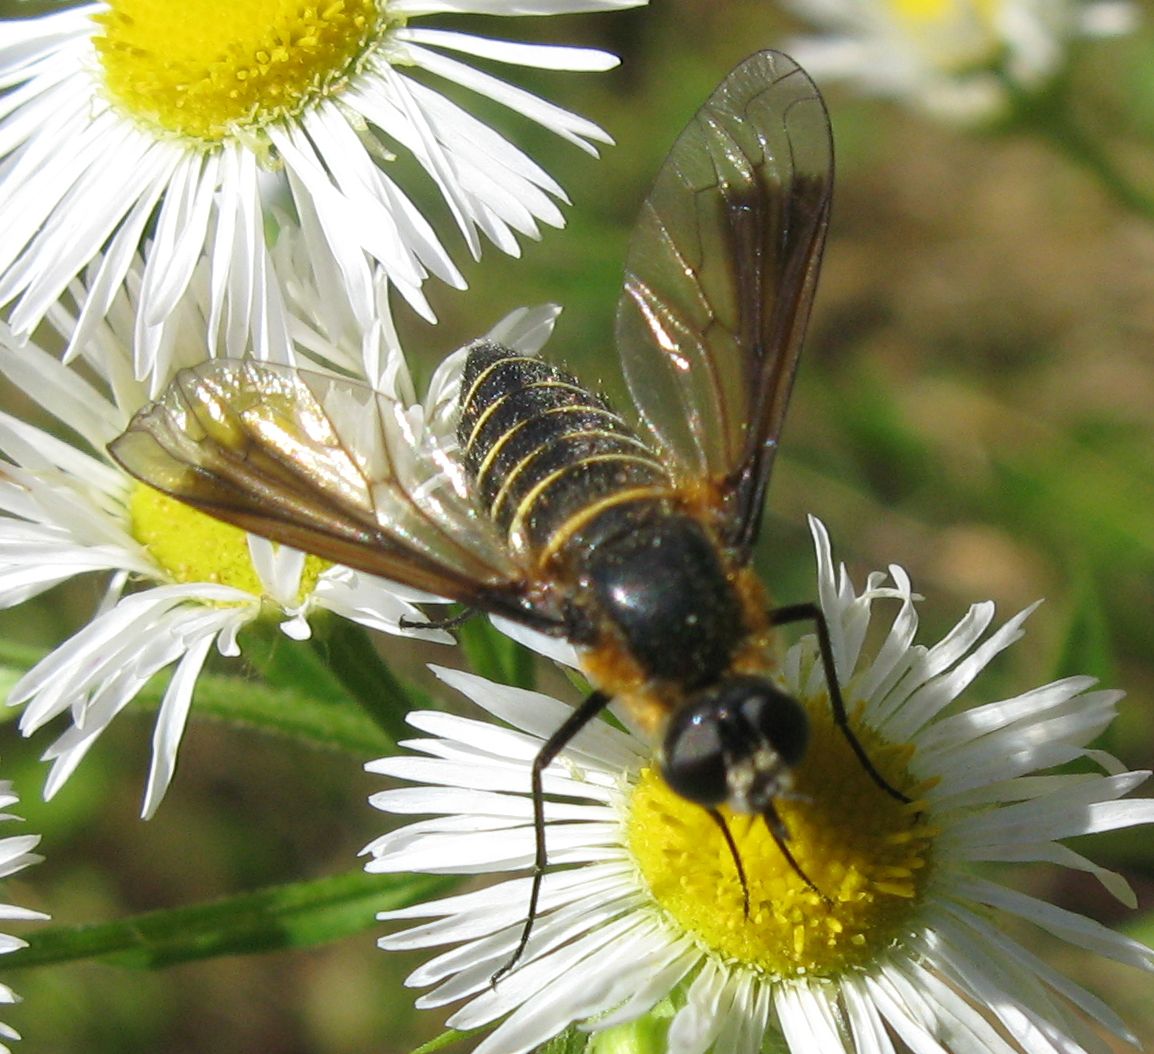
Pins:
<point x="629" y="536"/>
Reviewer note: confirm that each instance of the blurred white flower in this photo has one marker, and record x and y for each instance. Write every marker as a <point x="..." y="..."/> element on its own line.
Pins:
<point x="201" y="124"/>
<point x="954" y="58"/>
<point x="902" y="943"/>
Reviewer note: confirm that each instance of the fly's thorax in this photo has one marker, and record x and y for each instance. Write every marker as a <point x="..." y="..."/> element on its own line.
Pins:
<point x="760" y="648"/>
<point x="662" y="583"/>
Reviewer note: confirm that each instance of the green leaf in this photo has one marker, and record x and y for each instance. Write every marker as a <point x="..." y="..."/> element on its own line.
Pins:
<point x="493" y="655"/>
<point x="571" y="1041"/>
<point x="352" y="658"/>
<point x="297" y="915"/>
<point x="15" y="661"/>
<point x="1086" y="647"/>
<point x="339" y="665"/>
<point x="446" y="1039"/>
<point x="1140" y="928"/>
<point x="290" y="664"/>
<point x="643" y="1035"/>
<point x="336" y="725"/>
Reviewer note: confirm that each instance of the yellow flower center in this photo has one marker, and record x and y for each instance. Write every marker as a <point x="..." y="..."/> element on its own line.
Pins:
<point x="866" y="853"/>
<point x="193" y="547"/>
<point x="204" y="69"/>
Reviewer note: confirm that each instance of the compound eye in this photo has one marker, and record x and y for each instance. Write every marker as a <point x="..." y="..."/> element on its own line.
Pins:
<point x="693" y="759"/>
<point x="778" y="721"/>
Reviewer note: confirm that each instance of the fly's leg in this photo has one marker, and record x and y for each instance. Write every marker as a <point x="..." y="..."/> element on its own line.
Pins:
<point x="812" y="613"/>
<point x="557" y="742"/>
<point x="449" y="622"/>
<point x="718" y="819"/>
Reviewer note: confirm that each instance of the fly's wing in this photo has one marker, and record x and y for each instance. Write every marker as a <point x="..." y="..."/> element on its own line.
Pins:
<point x="719" y="281"/>
<point x="327" y="466"/>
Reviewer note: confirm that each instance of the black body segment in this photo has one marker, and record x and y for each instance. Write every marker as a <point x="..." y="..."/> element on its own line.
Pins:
<point x="664" y="585"/>
<point x="542" y="450"/>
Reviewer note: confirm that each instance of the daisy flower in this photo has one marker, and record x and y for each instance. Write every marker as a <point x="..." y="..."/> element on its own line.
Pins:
<point x="954" y="58"/>
<point x="204" y="123"/>
<point x="898" y="940"/>
<point x="179" y="583"/>
<point x="15" y="855"/>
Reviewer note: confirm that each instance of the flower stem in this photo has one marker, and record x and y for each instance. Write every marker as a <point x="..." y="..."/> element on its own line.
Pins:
<point x="294" y="915"/>
<point x="1050" y="117"/>
<point x="351" y="656"/>
<point x="339" y="667"/>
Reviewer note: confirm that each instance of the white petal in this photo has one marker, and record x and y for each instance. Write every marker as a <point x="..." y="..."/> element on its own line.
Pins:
<point x="539" y="56"/>
<point x="181" y="231"/>
<point x="103" y="287"/>
<point x="741" y="1031"/>
<point x="556" y="648"/>
<point x="416" y="8"/>
<point x="541" y="715"/>
<point x="170" y="722"/>
<point x="934" y="696"/>
<point x="526" y="329"/>
<point x="69" y="397"/>
<point x="910" y="1027"/>
<point x="934" y="1009"/>
<point x="547" y="995"/>
<point x="1063" y="856"/>
<point x="469" y="916"/>
<point x="576" y="130"/>
<point x="1080" y="808"/>
<point x="117" y="175"/>
<point x="1066" y="925"/>
<point x="677" y="955"/>
<point x="467" y="970"/>
<point x="865" y="1022"/>
<point x="696" y="1024"/>
<point x="1013" y="994"/>
<point x="807" y="1019"/>
<point x="375" y="603"/>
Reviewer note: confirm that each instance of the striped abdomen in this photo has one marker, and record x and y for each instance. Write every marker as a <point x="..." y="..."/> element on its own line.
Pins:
<point x="544" y="452"/>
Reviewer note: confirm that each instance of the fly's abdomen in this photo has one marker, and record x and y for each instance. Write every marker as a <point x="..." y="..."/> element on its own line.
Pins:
<point x="544" y="452"/>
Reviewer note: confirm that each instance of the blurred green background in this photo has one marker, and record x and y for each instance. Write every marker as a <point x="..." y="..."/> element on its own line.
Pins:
<point x="976" y="402"/>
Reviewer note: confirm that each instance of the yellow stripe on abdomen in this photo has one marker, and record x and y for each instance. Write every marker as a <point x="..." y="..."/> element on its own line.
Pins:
<point x="543" y="451"/>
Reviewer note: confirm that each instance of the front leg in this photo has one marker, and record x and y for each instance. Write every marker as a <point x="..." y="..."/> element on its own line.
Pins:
<point x="811" y="612"/>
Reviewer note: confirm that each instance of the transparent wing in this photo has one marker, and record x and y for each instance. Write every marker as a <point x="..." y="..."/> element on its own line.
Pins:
<point x="720" y="277"/>
<point x="327" y="466"/>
